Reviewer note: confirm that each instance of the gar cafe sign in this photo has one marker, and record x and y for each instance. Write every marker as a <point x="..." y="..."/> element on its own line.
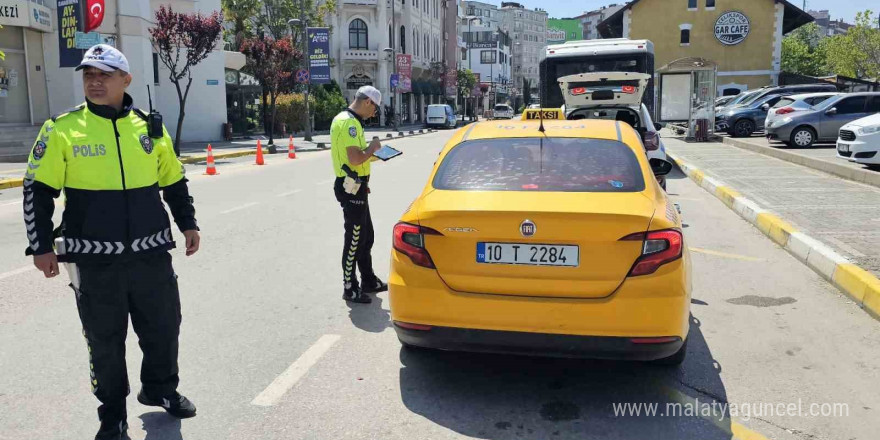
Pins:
<point x="732" y="28"/>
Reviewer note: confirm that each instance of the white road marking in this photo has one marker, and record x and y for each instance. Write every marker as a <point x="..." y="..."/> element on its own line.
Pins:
<point x="289" y="193"/>
<point x="324" y="182"/>
<point x="15" y="272"/>
<point x="239" y="208"/>
<point x="17" y="202"/>
<point x="284" y="382"/>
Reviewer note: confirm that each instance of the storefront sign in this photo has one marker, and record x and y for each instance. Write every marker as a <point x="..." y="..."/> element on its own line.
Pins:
<point x="732" y="28"/>
<point x="212" y="82"/>
<point x="40" y="17"/>
<point x="68" y="25"/>
<point x="404" y="71"/>
<point x="87" y="40"/>
<point x="14" y="13"/>
<point x="355" y="82"/>
<point x="319" y="55"/>
<point x="484" y="45"/>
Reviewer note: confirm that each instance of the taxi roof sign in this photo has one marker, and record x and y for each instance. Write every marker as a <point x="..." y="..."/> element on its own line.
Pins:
<point x="534" y="114"/>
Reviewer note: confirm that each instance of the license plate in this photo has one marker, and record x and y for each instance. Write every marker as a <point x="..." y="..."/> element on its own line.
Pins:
<point x="844" y="148"/>
<point x="528" y="254"/>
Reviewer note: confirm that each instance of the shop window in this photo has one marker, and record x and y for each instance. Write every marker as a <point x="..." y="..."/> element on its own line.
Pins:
<point x="357" y="34"/>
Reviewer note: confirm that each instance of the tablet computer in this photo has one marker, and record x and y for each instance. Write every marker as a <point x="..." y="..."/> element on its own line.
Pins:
<point x="386" y="153"/>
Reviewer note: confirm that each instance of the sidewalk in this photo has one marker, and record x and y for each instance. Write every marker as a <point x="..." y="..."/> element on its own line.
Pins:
<point x="842" y="214"/>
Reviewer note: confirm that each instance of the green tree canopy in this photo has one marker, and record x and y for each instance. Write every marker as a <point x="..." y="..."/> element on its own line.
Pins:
<point x="856" y="53"/>
<point x="805" y="52"/>
<point x="466" y="82"/>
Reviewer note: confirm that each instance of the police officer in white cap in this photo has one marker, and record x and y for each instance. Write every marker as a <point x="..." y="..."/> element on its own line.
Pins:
<point x="114" y="163"/>
<point x="351" y="164"/>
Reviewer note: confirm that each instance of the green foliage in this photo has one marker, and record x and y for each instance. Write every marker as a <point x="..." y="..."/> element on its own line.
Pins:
<point x="466" y="82"/>
<point x="328" y="103"/>
<point x="289" y="109"/>
<point x="857" y="53"/>
<point x="805" y="52"/>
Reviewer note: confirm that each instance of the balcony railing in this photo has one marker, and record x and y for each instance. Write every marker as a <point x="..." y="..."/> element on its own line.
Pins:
<point x="359" y="54"/>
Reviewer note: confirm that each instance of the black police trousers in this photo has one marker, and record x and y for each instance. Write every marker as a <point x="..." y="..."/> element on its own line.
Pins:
<point x="144" y="287"/>
<point x="358" y="241"/>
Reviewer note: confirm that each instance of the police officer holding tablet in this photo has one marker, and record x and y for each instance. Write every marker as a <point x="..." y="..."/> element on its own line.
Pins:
<point x="112" y="161"/>
<point x="351" y="164"/>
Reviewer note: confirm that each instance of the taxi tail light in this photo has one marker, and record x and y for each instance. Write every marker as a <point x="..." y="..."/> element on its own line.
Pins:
<point x="658" y="248"/>
<point x="409" y="240"/>
<point x="651" y="140"/>
<point x="784" y="111"/>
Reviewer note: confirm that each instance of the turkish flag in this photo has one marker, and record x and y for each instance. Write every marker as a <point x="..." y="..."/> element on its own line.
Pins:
<point x="95" y="14"/>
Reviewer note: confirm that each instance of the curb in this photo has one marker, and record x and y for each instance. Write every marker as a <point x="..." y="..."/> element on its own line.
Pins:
<point x="11" y="183"/>
<point x="860" y="285"/>
<point x="857" y="175"/>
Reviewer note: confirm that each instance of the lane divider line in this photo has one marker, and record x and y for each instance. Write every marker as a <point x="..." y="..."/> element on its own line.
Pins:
<point x="296" y="371"/>
<point x="857" y="283"/>
<point x="289" y="193"/>
<point x="724" y="254"/>
<point x="15" y="272"/>
<point x="239" y="208"/>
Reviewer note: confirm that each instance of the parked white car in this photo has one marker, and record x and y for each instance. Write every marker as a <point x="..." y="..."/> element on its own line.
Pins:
<point x="795" y="103"/>
<point x="859" y="141"/>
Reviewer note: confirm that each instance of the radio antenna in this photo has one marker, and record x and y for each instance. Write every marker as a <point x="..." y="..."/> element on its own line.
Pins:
<point x="540" y="111"/>
<point x="150" y="97"/>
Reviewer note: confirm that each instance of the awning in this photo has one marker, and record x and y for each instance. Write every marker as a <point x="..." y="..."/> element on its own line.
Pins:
<point x="234" y="60"/>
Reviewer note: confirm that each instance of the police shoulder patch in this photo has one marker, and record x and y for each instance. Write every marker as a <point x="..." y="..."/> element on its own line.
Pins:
<point x="39" y="150"/>
<point x="146" y="143"/>
<point x="352" y="131"/>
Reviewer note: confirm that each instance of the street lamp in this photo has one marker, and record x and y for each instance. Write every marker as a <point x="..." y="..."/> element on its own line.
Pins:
<point x="390" y="51"/>
<point x="304" y="22"/>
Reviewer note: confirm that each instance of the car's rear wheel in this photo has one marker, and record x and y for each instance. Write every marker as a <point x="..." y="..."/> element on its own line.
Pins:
<point x="676" y="359"/>
<point x="743" y="128"/>
<point x="803" y="137"/>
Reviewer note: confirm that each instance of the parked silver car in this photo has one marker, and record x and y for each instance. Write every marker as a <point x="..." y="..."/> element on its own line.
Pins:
<point x="822" y="123"/>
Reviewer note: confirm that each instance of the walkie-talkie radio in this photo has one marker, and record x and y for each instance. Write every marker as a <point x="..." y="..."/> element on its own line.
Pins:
<point x="154" y="120"/>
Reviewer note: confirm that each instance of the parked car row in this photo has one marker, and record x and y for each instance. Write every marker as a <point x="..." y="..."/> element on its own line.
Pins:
<point x="859" y="140"/>
<point x="822" y="122"/>
<point x="747" y="113"/>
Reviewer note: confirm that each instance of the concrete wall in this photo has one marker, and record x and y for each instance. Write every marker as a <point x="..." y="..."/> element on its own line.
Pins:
<point x="752" y="59"/>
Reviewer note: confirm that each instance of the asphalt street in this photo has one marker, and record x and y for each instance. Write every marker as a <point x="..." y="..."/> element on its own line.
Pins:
<point x="269" y="350"/>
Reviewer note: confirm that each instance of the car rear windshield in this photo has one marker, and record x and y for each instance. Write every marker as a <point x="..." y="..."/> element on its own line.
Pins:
<point x="783" y="102"/>
<point x="501" y="108"/>
<point x="542" y="165"/>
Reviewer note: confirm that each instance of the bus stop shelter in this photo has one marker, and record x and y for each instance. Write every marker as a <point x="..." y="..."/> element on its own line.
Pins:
<point x="686" y="94"/>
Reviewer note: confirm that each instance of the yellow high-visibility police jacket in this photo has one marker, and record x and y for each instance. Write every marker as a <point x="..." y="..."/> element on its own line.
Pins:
<point x="111" y="173"/>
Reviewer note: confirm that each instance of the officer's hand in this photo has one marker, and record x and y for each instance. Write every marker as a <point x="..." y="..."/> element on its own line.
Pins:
<point x="47" y="263"/>
<point x="374" y="146"/>
<point x="192" y="241"/>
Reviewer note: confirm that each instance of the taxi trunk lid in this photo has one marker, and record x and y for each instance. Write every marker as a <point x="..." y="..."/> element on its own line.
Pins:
<point x="588" y="90"/>
<point x="595" y="222"/>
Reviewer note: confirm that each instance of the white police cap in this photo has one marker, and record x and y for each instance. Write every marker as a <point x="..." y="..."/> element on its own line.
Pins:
<point x="373" y="93"/>
<point x="104" y="57"/>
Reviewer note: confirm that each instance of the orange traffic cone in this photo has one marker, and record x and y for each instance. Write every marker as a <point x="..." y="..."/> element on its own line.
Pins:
<point x="291" y="150"/>
<point x="260" y="153"/>
<point x="212" y="170"/>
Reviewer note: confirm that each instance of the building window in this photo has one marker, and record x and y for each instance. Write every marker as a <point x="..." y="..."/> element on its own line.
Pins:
<point x="403" y="39"/>
<point x="685" y="37"/>
<point x="357" y="34"/>
<point x="415" y="43"/>
<point x="692" y="5"/>
<point x="710" y="4"/>
<point x="391" y="36"/>
<point x="156" y="69"/>
<point x="464" y="55"/>
<point x="488" y="57"/>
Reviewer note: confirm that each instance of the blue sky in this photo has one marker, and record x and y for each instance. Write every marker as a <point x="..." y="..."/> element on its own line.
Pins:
<point x="845" y="9"/>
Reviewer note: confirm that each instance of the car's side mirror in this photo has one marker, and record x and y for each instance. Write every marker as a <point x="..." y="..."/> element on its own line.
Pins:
<point x="831" y="111"/>
<point x="660" y="167"/>
<point x="658" y="126"/>
<point x="765" y="107"/>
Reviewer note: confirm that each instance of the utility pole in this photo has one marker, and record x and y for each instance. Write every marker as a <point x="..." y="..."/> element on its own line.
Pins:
<point x="394" y="67"/>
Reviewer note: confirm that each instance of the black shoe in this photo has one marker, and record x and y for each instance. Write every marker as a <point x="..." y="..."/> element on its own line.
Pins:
<point x="356" y="296"/>
<point x="176" y="405"/>
<point x="375" y="286"/>
<point x="112" y="430"/>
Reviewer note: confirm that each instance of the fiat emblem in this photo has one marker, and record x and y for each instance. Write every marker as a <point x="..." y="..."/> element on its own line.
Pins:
<point x="527" y="228"/>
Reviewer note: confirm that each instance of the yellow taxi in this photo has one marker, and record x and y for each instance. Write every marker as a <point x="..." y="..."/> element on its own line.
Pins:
<point x="547" y="237"/>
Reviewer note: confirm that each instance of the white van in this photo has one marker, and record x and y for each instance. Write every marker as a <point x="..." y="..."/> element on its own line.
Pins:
<point x="502" y="111"/>
<point x="440" y="115"/>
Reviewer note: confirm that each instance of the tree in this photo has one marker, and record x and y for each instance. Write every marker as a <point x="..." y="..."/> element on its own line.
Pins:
<point x="804" y="51"/>
<point x="188" y="36"/>
<point x="466" y="82"/>
<point x="271" y="62"/>
<point x="857" y="53"/>
<point x="242" y="15"/>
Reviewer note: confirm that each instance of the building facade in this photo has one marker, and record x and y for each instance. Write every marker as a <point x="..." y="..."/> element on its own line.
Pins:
<point x="827" y="26"/>
<point x="744" y="37"/>
<point x="590" y="20"/>
<point x="367" y="36"/>
<point x="38" y="87"/>
<point x="528" y="29"/>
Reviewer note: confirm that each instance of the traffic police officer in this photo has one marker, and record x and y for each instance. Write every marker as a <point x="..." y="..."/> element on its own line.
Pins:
<point x="351" y="163"/>
<point x="116" y="234"/>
